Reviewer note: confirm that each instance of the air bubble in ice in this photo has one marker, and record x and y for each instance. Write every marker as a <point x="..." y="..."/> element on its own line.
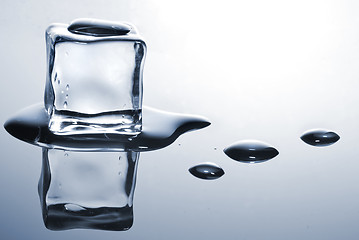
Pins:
<point x="74" y="207"/>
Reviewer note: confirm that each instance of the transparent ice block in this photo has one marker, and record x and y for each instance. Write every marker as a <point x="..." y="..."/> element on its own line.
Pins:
<point x="94" y="77"/>
<point x="87" y="189"/>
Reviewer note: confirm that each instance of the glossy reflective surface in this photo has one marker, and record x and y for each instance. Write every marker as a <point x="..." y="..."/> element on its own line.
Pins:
<point x="265" y="70"/>
<point x="87" y="190"/>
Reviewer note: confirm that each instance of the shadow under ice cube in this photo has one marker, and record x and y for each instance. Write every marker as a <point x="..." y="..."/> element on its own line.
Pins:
<point x="94" y="78"/>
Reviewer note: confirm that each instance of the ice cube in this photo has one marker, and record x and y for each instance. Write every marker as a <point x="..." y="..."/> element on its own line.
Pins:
<point x="94" y="78"/>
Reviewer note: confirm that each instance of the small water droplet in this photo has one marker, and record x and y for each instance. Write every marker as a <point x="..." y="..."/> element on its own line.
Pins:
<point x="98" y="28"/>
<point x="67" y="87"/>
<point x="62" y="92"/>
<point x="119" y="158"/>
<point x="66" y="53"/>
<point x="251" y="151"/>
<point x="55" y="78"/>
<point x="65" y="104"/>
<point x="66" y="154"/>
<point x="67" y="96"/>
<point x="215" y="148"/>
<point x="320" y="137"/>
<point x="58" y="81"/>
<point x="119" y="173"/>
<point x="179" y="144"/>
<point x="208" y="171"/>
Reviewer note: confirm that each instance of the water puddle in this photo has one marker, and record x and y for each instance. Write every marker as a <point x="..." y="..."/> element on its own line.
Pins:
<point x="159" y="130"/>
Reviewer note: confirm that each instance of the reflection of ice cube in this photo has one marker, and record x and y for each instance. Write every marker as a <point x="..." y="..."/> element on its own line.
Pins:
<point x="87" y="189"/>
<point x="94" y="83"/>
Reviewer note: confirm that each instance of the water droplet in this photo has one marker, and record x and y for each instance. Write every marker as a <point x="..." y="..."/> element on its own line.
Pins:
<point x="250" y="151"/>
<point x="74" y="207"/>
<point x="66" y="154"/>
<point x="215" y="148"/>
<point x="67" y="87"/>
<point x="320" y="137"/>
<point x="208" y="171"/>
<point x="67" y="96"/>
<point x="65" y="104"/>
<point x="179" y="144"/>
<point x="62" y="92"/>
<point x="119" y="173"/>
<point x="67" y="53"/>
<point x="98" y="28"/>
<point x="58" y="81"/>
<point x="119" y="158"/>
<point x="55" y="78"/>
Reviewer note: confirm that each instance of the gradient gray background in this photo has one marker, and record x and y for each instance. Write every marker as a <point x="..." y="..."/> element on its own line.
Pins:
<point x="266" y="70"/>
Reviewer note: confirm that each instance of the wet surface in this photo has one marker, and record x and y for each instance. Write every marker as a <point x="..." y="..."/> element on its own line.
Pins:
<point x="160" y="129"/>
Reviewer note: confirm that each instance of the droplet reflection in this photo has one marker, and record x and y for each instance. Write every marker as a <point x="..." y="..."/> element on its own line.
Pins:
<point x="208" y="171"/>
<point x="320" y="137"/>
<point x="251" y="151"/>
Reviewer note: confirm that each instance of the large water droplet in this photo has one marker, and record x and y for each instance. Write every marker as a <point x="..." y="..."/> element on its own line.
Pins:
<point x="250" y="151"/>
<point x="208" y="171"/>
<point x="320" y="137"/>
<point x="65" y="104"/>
<point x="98" y="28"/>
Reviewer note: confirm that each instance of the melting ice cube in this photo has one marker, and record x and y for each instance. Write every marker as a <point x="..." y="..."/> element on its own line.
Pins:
<point x="94" y="77"/>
